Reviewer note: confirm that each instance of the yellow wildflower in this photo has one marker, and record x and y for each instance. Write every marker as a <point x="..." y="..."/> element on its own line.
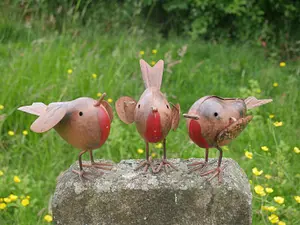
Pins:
<point x="297" y="198"/>
<point x="258" y="90"/>
<point x="11" y="133"/>
<point x="278" y="124"/>
<point x="153" y="154"/>
<point x="159" y="145"/>
<point x="282" y="64"/>
<point x="1" y="173"/>
<point x="269" y="190"/>
<point x="269" y="208"/>
<point x="154" y="51"/>
<point x="110" y="100"/>
<point x="28" y="197"/>
<point x="268" y="176"/>
<point x="1" y="199"/>
<point x="256" y="172"/>
<point x="271" y="116"/>
<point x="279" y="200"/>
<point x="17" y="179"/>
<point x="296" y="150"/>
<point x="264" y="148"/>
<point x="140" y="151"/>
<point x="281" y="223"/>
<point x="2" y="205"/>
<point x="99" y="94"/>
<point x="153" y="63"/>
<point x="7" y="200"/>
<point x="48" y="218"/>
<point x="25" y="132"/>
<point x="94" y="75"/>
<point x="275" y="84"/>
<point x="142" y="52"/>
<point x="70" y="71"/>
<point x="1" y="107"/>
<point x="25" y="202"/>
<point x="249" y="155"/>
<point x="13" y="197"/>
<point x="259" y="190"/>
<point x="273" y="218"/>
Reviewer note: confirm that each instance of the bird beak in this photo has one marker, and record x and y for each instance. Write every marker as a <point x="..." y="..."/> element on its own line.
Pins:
<point x="191" y="117"/>
<point x="154" y="109"/>
<point x="100" y="100"/>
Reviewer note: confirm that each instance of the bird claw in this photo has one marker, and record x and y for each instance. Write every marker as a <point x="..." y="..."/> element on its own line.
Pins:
<point x="216" y="172"/>
<point x="146" y="164"/>
<point x="166" y="164"/>
<point x="82" y="174"/>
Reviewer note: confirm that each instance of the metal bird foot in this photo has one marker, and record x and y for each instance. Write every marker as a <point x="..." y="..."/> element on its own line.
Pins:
<point x="217" y="172"/>
<point x="146" y="164"/>
<point x="166" y="164"/>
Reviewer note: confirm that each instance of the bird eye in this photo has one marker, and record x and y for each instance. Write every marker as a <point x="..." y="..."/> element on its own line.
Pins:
<point x="80" y="113"/>
<point x="139" y="106"/>
<point x="167" y="106"/>
<point x="216" y="114"/>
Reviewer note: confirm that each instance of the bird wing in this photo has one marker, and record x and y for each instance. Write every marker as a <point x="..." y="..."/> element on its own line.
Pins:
<point x="175" y="116"/>
<point x="108" y="108"/>
<point x="37" y="108"/>
<point x="152" y="76"/>
<point x="125" y="107"/>
<point x="252" y="102"/>
<point x="233" y="130"/>
<point x="52" y="116"/>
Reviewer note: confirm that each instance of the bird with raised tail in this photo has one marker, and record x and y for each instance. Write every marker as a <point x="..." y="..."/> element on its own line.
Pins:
<point x="213" y="122"/>
<point x="152" y="114"/>
<point x="84" y="123"/>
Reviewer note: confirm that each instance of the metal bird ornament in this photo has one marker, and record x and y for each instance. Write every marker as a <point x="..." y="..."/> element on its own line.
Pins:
<point x="84" y="123"/>
<point x="213" y="122"/>
<point x="152" y="114"/>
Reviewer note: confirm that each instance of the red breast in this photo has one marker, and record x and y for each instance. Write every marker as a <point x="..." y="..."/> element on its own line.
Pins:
<point x="196" y="135"/>
<point x="104" y="124"/>
<point x="153" y="132"/>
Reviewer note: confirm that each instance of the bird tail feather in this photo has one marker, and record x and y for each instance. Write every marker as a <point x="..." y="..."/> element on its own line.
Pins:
<point x="252" y="102"/>
<point x="152" y="76"/>
<point x="36" y="108"/>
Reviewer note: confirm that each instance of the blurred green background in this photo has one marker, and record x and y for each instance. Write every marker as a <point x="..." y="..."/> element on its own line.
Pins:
<point x="60" y="50"/>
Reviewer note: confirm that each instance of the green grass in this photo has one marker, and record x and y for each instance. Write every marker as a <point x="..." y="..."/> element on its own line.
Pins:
<point x="34" y="68"/>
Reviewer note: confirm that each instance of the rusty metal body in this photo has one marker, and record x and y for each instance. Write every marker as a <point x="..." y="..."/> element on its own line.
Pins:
<point x="84" y="123"/>
<point x="213" y="122"/>
<point x="152" y="114"/>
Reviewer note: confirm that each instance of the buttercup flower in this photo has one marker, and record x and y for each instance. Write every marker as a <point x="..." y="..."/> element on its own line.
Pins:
<point x="159" y="145"/>
<point x="140" y="151"/>
<point x="249" y="155"/>
<point x="153" y="154"/>
<point x="94" y="75"/>
<point x="17" y="179"/>
<point x="154" y="51"/>
<point x="269" y="208"/>
<point x="279" y="200"/>
<point x="271" y="116"/>
<point x="70" y="71"/>
<point x="1" y="107"/>
<point x="296" y="150"/>
<point x="25" y="132"/>
<point x="25" y="202"/>
<point x="48" y="218"/>
<point x="11" y="133"/>
<point x="142" y="52"/>
<point x="275" y="84"/>
<point x="152" y="63"/>
<point x="282" y="64"/>
<point x="297" y="198"/>
<point x="256" y="172"/>
<point x="13" y="197"/>
<point x="99" y="94"/>
<point x="110" y="100"/>
<point x="2" y="205"/>
<point x="281" y="223"/>
<point x="259" y="190"/>
<point x="269" y="190"/>
<point x="278" y="124"/>
<point x="7" y="200"/>
<point x="273" y="218"/>
<point x="268" y="176"/>
<point x="1" y="173"/>
<point x="264" y="148"/>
